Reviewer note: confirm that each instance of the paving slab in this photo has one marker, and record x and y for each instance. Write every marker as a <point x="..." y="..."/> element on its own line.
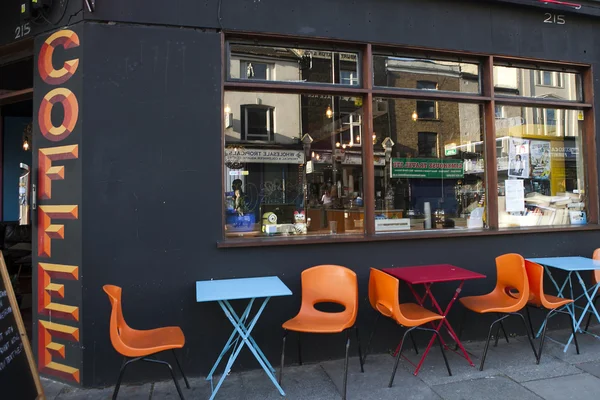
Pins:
<point x="574" y="387"/>
<point x="232" y="388"/>
<point x="306" y="382"/>
<point x="130" y="392"/>
<point x="492" y="388"/>
<point x="373" y="383"/>
<point x="589" y="347"/>
<point x="434" y="372"/>
<point x="592" y="368"/>
<point x="52" y="388"/>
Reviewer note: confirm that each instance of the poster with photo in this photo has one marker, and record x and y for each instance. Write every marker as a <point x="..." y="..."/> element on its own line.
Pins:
<point x="518" y="158"/>
<point x="540" y="159"/>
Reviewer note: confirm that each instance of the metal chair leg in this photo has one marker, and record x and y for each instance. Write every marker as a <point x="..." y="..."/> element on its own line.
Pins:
<point x="412" y="339"/>
<point x="187" y="384"/>
<point x="299" y="349"/>
<point x="408" y="331"/>
<point x="535" y="354"/>
<point x="346" y="364"/>
<point x="529" y="319"/>
<point x="504" y="332"/>
<point x="439" y="339"/>
<point x="282" y="357"/>
<point x="371" y="338"/>
<point x="487" y="342"/>
<point x="172" y="374"/>
<point x="587" y="325"/>
<point x="460" y="327"/>
<point x="360" y="359"/>
<point x="121" y="372"/>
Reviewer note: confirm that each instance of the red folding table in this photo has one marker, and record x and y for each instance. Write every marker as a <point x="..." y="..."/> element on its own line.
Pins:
<point x="427" y="275"/>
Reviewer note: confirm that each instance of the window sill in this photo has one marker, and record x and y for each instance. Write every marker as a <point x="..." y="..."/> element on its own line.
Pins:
<point x="433" y="234"/>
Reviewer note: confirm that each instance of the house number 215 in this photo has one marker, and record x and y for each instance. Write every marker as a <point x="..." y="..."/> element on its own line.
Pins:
<point x="554" y="19"/>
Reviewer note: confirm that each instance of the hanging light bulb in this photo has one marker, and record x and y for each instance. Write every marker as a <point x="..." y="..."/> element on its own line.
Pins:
<point x="227" y="109"/>
<point x="337" y="144"/>
<point x="344" y="146"/>
<point x="313" y="154"/>
<point x="357" y="138"/>
<point x="415" y="116"/>
<point x="329" y="112"/>
<point x="25" y="144"/>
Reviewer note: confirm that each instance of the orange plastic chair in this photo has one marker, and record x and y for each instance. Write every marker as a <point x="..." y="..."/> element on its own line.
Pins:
<point x="140" y="345"/>
<point x="326" y="284"/>
<point x="595" y="281"/>
<point x="384" y="296"/>
<point x="538" y="299"/>
<point x="508" y="298"/>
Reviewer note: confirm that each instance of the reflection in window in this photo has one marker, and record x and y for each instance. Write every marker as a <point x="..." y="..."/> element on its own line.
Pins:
<point x="430" y="180"/>
<point x="525" y="82"/>
<point x="406" y="72"/>
<point x="291" y="64"/>
<point x="541" y="178"/>
<point x="299" y="176"/>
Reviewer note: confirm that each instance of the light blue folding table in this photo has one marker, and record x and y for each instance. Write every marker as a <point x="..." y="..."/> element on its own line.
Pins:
<point x="222" y="291"/>
<point x="573" y="265"/>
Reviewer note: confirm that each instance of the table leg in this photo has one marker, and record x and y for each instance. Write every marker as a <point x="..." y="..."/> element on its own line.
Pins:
<point x="244" y="333"/>
<point x="240" y="323"/>
<point x="559" y="290"/>
<point x="589" y="304"/>
<point x="232" y="338"/>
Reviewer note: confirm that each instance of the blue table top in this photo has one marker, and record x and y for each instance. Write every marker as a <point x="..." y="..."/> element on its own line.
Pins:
<point x="242" y="288"/>
<point x="568" y="263"/>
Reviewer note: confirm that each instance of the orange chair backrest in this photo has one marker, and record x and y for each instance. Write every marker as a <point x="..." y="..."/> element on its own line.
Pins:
<point x="384" y="295"/>
<point x="119" y="330"/>
<point x="596" y="275"/>
<point x="330" y="284"/>
<point x="513" y="276"/>
<point x="535" y="276"/>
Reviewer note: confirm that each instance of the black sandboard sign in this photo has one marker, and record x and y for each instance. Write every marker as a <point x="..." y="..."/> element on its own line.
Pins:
<point x="19" y="378"/>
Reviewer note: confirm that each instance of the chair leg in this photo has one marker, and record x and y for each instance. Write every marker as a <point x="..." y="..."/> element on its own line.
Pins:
<point x="282" y="357"/>
<point x="463" y="317"/>
<point x="587" y="325"/>
<point x="529" y="319"/>
<point x="371" y="338"/>
<point x="187" y="384"/>
<point x="299" y="349"/>
<point x="528" y="335"/>
<point x="439" y="339"/>
<point x="346" y="364"/>
<point x="121" y="372"/>
<point x="360" y="359"/>
<point x="408" y="331"/>
<point x="487" y="342"/>
<point x="412" y="339"/>
<point x="171" y="371"/>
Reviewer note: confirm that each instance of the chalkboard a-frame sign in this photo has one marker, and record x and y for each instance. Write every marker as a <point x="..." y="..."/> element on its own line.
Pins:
<point x="19" y="377"/>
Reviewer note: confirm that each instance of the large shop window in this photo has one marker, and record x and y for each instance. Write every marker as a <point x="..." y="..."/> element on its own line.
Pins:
<point x="300" y="172"/>
<point x="434" y="172"/>
<point x="362" y="141"/>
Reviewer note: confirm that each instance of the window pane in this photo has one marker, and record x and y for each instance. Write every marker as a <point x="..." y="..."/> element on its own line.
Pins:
<point x="524" y="82"/>
<point x="432" y="174"/>
<point x="411" y="73"/>
<point x="288" y="64"/>
<point x="541" y="179"/>
<point x="293" y="165"/>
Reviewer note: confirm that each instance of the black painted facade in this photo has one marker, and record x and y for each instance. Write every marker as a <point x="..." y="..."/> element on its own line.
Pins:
<point x="151" y="114"/>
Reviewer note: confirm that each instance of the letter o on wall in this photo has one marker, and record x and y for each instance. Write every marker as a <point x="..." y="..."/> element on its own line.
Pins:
<point x="71" y="113"/>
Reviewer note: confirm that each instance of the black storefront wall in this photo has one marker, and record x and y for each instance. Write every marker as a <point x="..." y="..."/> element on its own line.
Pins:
<point x="151" y="187"/>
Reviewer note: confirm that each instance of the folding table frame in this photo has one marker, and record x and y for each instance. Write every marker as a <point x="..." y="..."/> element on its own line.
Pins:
<point x="572" y="265"/>
<point x="427" y="275"/>
<point x="222" y="291"/>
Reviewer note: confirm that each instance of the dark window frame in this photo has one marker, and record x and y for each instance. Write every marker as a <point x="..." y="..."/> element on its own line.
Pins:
<point x="486" y="97"/>
<point x="269" y="110"/>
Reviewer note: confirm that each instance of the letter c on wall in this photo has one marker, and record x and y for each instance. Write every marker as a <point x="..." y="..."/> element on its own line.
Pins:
<point x="71" y="107"/>
<point x="66" y="38"/>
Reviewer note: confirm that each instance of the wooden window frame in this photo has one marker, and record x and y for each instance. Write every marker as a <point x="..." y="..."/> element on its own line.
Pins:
<point x="486" y="97"/>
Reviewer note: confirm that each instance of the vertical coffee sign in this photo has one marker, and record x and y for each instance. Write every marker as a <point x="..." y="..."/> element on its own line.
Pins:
<point x="57" y="250"/>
